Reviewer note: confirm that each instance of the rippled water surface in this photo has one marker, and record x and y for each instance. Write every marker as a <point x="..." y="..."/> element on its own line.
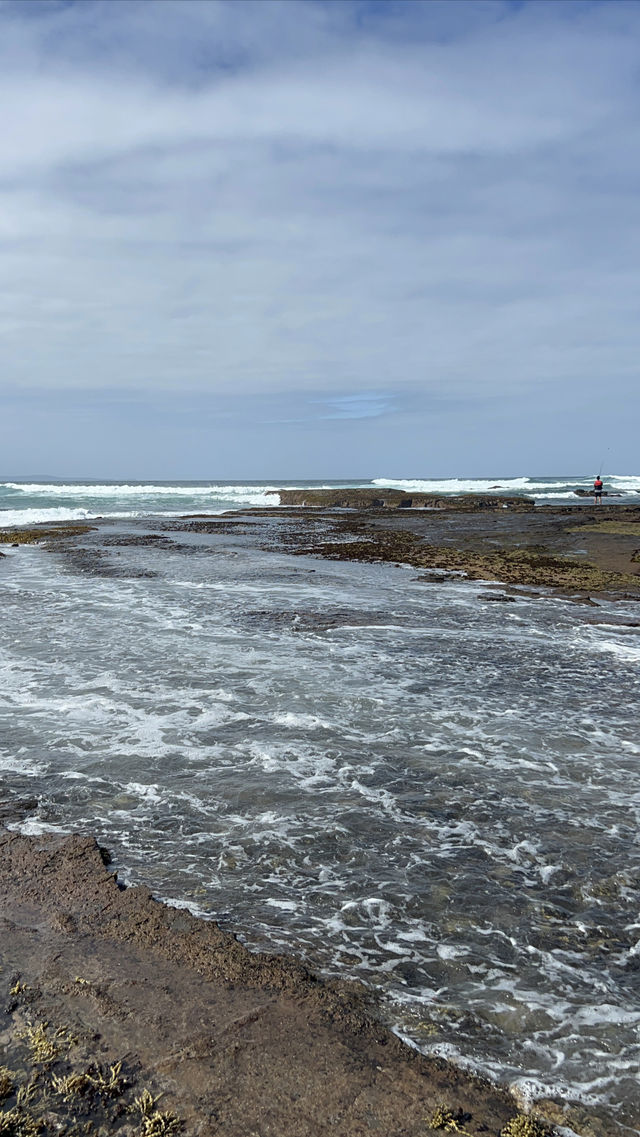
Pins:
<point x="413" y="782"/>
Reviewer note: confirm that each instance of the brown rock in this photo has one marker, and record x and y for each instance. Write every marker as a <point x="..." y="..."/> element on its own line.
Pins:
<point x="237" y="1043"/>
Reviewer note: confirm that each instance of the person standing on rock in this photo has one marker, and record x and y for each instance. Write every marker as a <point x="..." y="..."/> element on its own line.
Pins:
<point x="597" y="490"/>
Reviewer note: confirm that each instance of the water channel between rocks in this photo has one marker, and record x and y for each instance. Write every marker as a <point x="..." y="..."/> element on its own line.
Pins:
<point x="408" y="783"/>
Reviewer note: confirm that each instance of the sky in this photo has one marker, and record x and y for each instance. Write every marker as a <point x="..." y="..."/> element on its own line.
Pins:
<point x="319" y="238"/>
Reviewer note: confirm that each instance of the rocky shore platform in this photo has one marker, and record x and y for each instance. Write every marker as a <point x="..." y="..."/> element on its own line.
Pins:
<point x="574" y="549"/>
<point x="578" y="549"/>
<point x="121" y="1015"/>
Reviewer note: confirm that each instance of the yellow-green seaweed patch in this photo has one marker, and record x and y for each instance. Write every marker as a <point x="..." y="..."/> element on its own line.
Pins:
<point x="6" y="1083"/>
<point x="42" y="1047"/>
<point x="107" y="1080"/>
<point x="13" y="1123"/>
<point x="618" y="528"/>
<point x="68" y="1086"/>
<point x="154" y="1122"/>
<point x="31" y="535"/>
<point x="449" y="1119"/>
<point x="524" y="1126"/>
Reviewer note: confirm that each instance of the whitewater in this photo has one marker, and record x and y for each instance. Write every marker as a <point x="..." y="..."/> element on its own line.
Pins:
<point x="25" y="502"/>
<point x="411" y="785"/>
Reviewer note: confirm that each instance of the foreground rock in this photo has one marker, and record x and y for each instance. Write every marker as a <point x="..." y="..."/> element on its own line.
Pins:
<point x="126" y="1016"/>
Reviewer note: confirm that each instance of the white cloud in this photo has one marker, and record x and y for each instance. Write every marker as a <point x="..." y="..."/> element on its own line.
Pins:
<point x="246" y="198"/>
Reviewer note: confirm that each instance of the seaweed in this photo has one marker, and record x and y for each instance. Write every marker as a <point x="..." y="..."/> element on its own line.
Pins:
<point x="525" y="1126"/>
<point x="154" y="1122"/>
<point x="7" y="1083"/>
<point x="449" y="1119"/>
<point x="46" y="1092"/>
<point x="13" y="1123"/>
<point x="31" y="535"/>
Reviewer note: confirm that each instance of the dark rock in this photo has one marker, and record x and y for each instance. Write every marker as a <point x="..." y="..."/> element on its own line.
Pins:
<point x="395" y="499"/>
<point x="502" y="599"/>
<point x="589" y="493"/>
<point x="15" y="808"/>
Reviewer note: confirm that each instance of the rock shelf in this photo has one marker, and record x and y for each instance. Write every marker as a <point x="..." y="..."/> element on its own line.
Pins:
<point x="123" y="1015"/>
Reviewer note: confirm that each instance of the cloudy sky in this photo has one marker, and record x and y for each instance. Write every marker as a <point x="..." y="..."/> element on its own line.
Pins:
<point x="319" y="238"/>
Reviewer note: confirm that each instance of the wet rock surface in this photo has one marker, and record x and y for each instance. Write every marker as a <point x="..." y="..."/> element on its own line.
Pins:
<point x="235" y="1042"/>
<point x="36" y="534"/>
<point x="97" y="979"/>
<point x="94" y="562"/>
<point x="572" y="549"/>
<point x="382" y="498"/>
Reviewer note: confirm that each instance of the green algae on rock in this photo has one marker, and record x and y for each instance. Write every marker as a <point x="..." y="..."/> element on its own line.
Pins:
<point x="31" y="535"/>
<point x="620" y="528"/>
<point x="487" y="552"/>
<point x="524" y="1126"/>
<point x="510" y="566"/>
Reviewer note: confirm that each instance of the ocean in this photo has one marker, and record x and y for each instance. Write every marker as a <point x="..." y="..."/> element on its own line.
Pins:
<point x="411" y="785"/>
<point x="25" y="502"/>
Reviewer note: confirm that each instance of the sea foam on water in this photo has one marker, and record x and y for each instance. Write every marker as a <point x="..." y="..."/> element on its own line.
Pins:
<point x="401" y="783"/>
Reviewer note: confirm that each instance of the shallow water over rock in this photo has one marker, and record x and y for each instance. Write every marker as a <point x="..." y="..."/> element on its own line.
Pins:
<point x="400" y="781"/>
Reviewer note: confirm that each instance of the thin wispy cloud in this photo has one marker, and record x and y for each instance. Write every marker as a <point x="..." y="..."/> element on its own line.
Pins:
<point x="367" y="404"/>
<point x="302" y="203"/>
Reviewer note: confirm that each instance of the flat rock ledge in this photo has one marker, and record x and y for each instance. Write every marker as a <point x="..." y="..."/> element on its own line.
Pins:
<point x="396" y="499"/>
<point x="230" y="1042"/>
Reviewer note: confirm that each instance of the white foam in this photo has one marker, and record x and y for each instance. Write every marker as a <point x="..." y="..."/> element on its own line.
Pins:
<point x="548" y="488"/>
<point x="184" y="905"/>
<point x="623" y="651"/>
<point x="627" y="482"/>
<point x="147" y="793"/>
<point x="147" y="497"/>
<point x="17" y="764"/>
<point x="449" y="951"/>
<point x="527" y="1091"/>
<point x="377" y="910"/>
<point x="123" y="489"/>
<point x="304" y="721"/>
<point x="307" y="765"/>
<point x="547" y="871"/>
<point x="455" y="485"/>
<point x="33" y="828"/>
<point x="20" y="518"/>
<point x="605" y="1013"/>
<point x="560" y="496"/>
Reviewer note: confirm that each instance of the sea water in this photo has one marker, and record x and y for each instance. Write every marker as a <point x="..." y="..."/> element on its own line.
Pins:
<point x="405" y="782"/>
<point x="24" y="502"/>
